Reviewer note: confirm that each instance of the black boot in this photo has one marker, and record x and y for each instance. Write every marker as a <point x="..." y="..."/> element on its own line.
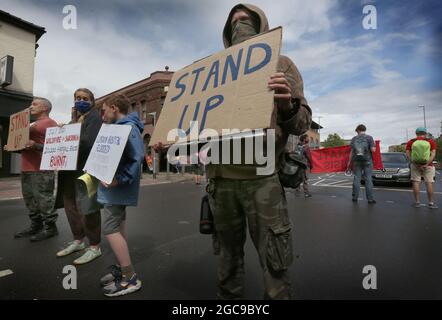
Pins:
<point x="36" y="227"/>
<point x="49" y="231"/>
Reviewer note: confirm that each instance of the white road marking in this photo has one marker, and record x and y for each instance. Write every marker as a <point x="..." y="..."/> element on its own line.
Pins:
<point x="336" y="182"/>
<point x="389" y="201"/>
<point x="387" y="189"/>
<point x="5" y="273"/>
<point x="314" y="184"/>
<point x="183" y="222"/>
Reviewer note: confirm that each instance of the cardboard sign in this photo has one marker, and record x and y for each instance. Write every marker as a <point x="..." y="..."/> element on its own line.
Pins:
<point x="60" y="150"/>
<point x="335" y="159"/>
<point x="106" y="153"/>
<point x="18" y="135"/>
<point x="227" y="90"/>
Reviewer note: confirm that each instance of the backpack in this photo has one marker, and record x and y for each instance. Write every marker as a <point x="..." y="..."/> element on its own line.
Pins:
<point x="420" y="151"/>
<point x="293" y="168"/>
<point x="361" y="149"/>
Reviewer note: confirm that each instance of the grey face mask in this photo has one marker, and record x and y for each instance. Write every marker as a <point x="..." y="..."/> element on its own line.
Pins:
<point x="242" y="31"/>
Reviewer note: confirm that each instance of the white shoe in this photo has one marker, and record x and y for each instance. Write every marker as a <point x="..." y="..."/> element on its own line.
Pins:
<point x="72" y="247"/>
<point x="90" y="254"/>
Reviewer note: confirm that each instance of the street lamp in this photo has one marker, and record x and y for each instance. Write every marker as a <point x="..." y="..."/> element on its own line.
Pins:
<point x="154" y="174"/>
<point x="319" y="130"/>
<point x="425" y="121"/>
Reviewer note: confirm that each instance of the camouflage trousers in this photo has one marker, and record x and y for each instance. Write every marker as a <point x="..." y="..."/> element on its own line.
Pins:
<point x="261" y="205"/>
<point x="38" y="194"/>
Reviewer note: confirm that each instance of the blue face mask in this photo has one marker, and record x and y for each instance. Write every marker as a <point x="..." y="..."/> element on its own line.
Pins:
<point x="83" y="106"/>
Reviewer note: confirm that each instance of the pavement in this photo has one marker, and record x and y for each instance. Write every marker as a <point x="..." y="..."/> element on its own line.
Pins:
<point x="10" y="187"/>
<point x="334" y="240"/>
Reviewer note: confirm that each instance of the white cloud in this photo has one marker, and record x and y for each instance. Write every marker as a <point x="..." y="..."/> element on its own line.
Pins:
<point x="104" y="57"/>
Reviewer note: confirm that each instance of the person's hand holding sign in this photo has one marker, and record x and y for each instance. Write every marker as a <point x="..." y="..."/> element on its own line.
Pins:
<point x="283" y="93"/>
<point x="113" y="184"/>
<point x="30" y="144"/>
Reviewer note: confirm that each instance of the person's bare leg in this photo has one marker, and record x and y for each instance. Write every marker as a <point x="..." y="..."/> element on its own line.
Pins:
<point x="416" y="186"/>
<point x="123" y="230"/>
<point x="430" y="192"/>
<point x="119" y="247"/>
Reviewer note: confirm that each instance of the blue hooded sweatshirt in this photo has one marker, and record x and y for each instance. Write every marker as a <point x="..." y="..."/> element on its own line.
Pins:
<point x="128" y="173"/>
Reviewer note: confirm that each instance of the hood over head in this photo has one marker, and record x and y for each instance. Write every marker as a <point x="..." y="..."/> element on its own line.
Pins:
<point x="132" y="119"/>
<point x="258" y="16"/>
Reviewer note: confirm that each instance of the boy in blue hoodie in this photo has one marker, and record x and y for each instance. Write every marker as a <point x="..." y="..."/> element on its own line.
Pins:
<point x="122" y="192"/>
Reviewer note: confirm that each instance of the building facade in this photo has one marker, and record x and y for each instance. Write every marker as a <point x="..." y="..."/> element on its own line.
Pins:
<point x="18" y="47"/>
<point x="147" y="98"/>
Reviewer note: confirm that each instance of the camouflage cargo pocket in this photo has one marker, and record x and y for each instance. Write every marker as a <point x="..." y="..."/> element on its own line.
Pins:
<point x="279" y="247"/>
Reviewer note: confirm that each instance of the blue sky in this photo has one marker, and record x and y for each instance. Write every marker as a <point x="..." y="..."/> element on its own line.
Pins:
<point x="351" y="75"/>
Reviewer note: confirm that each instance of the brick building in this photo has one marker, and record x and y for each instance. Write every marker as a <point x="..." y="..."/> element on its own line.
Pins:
<point x="147" y="98"/>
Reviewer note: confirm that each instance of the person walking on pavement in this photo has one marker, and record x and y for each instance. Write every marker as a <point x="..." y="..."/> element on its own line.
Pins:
<point x="122" y="192"/>
<point x="361" y="156"/>
<point x="239" y="197"/>
<point x="421" y="152"/>
<point x="37" y="185"/>
<point x="82" y="224"/>
<point x="305" y="152"/>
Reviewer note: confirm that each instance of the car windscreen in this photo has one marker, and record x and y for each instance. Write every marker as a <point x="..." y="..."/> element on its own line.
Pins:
<point x="394" y="158"/>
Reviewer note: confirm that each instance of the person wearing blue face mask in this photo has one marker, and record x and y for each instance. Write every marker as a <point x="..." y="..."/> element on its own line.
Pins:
<point x="83" y="224"/>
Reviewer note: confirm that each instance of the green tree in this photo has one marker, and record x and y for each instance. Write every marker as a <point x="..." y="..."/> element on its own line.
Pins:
<point x="398" y="148"/>
<point x="333" y="140"/>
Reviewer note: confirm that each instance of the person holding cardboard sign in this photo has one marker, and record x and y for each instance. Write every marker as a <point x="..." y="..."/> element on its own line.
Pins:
<point x="86" y="224"/>
<point x="238" y="194"/>
<point x="120" y="193"/>
<point x="38" y="186"/>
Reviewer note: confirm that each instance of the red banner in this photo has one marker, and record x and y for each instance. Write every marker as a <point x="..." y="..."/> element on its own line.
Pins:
<point x="336" y="159"/>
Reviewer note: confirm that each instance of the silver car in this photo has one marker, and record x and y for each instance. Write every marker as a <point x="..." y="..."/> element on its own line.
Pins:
<point x="396" y="169"/>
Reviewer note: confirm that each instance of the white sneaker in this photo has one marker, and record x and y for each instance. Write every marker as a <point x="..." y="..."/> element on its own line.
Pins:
<point x="90" y="254"/>
<point x="72" y="247"/>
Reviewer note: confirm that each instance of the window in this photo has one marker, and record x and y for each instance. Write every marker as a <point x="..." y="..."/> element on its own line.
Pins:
<point x="143" y="110"/>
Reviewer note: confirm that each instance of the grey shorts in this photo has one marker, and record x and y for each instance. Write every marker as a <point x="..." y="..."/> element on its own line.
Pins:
<point x="113" y="216"/>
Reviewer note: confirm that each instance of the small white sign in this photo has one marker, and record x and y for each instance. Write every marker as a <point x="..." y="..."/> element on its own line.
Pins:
<point x="106" y="153"/>
<point x="60" y="150"/>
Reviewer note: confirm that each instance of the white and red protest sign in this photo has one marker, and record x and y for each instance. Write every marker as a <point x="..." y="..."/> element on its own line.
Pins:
<point x="335" y="159"/>
<point x="106" y="153"/>
<point x="60" y="150"/>
<point x="18" y="135"/>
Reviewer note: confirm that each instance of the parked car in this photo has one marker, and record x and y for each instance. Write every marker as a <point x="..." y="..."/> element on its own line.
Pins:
<point x="396" y="169"/>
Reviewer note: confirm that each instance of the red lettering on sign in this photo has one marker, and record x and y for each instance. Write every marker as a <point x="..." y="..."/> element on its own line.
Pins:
<point x="58" y="162"/>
